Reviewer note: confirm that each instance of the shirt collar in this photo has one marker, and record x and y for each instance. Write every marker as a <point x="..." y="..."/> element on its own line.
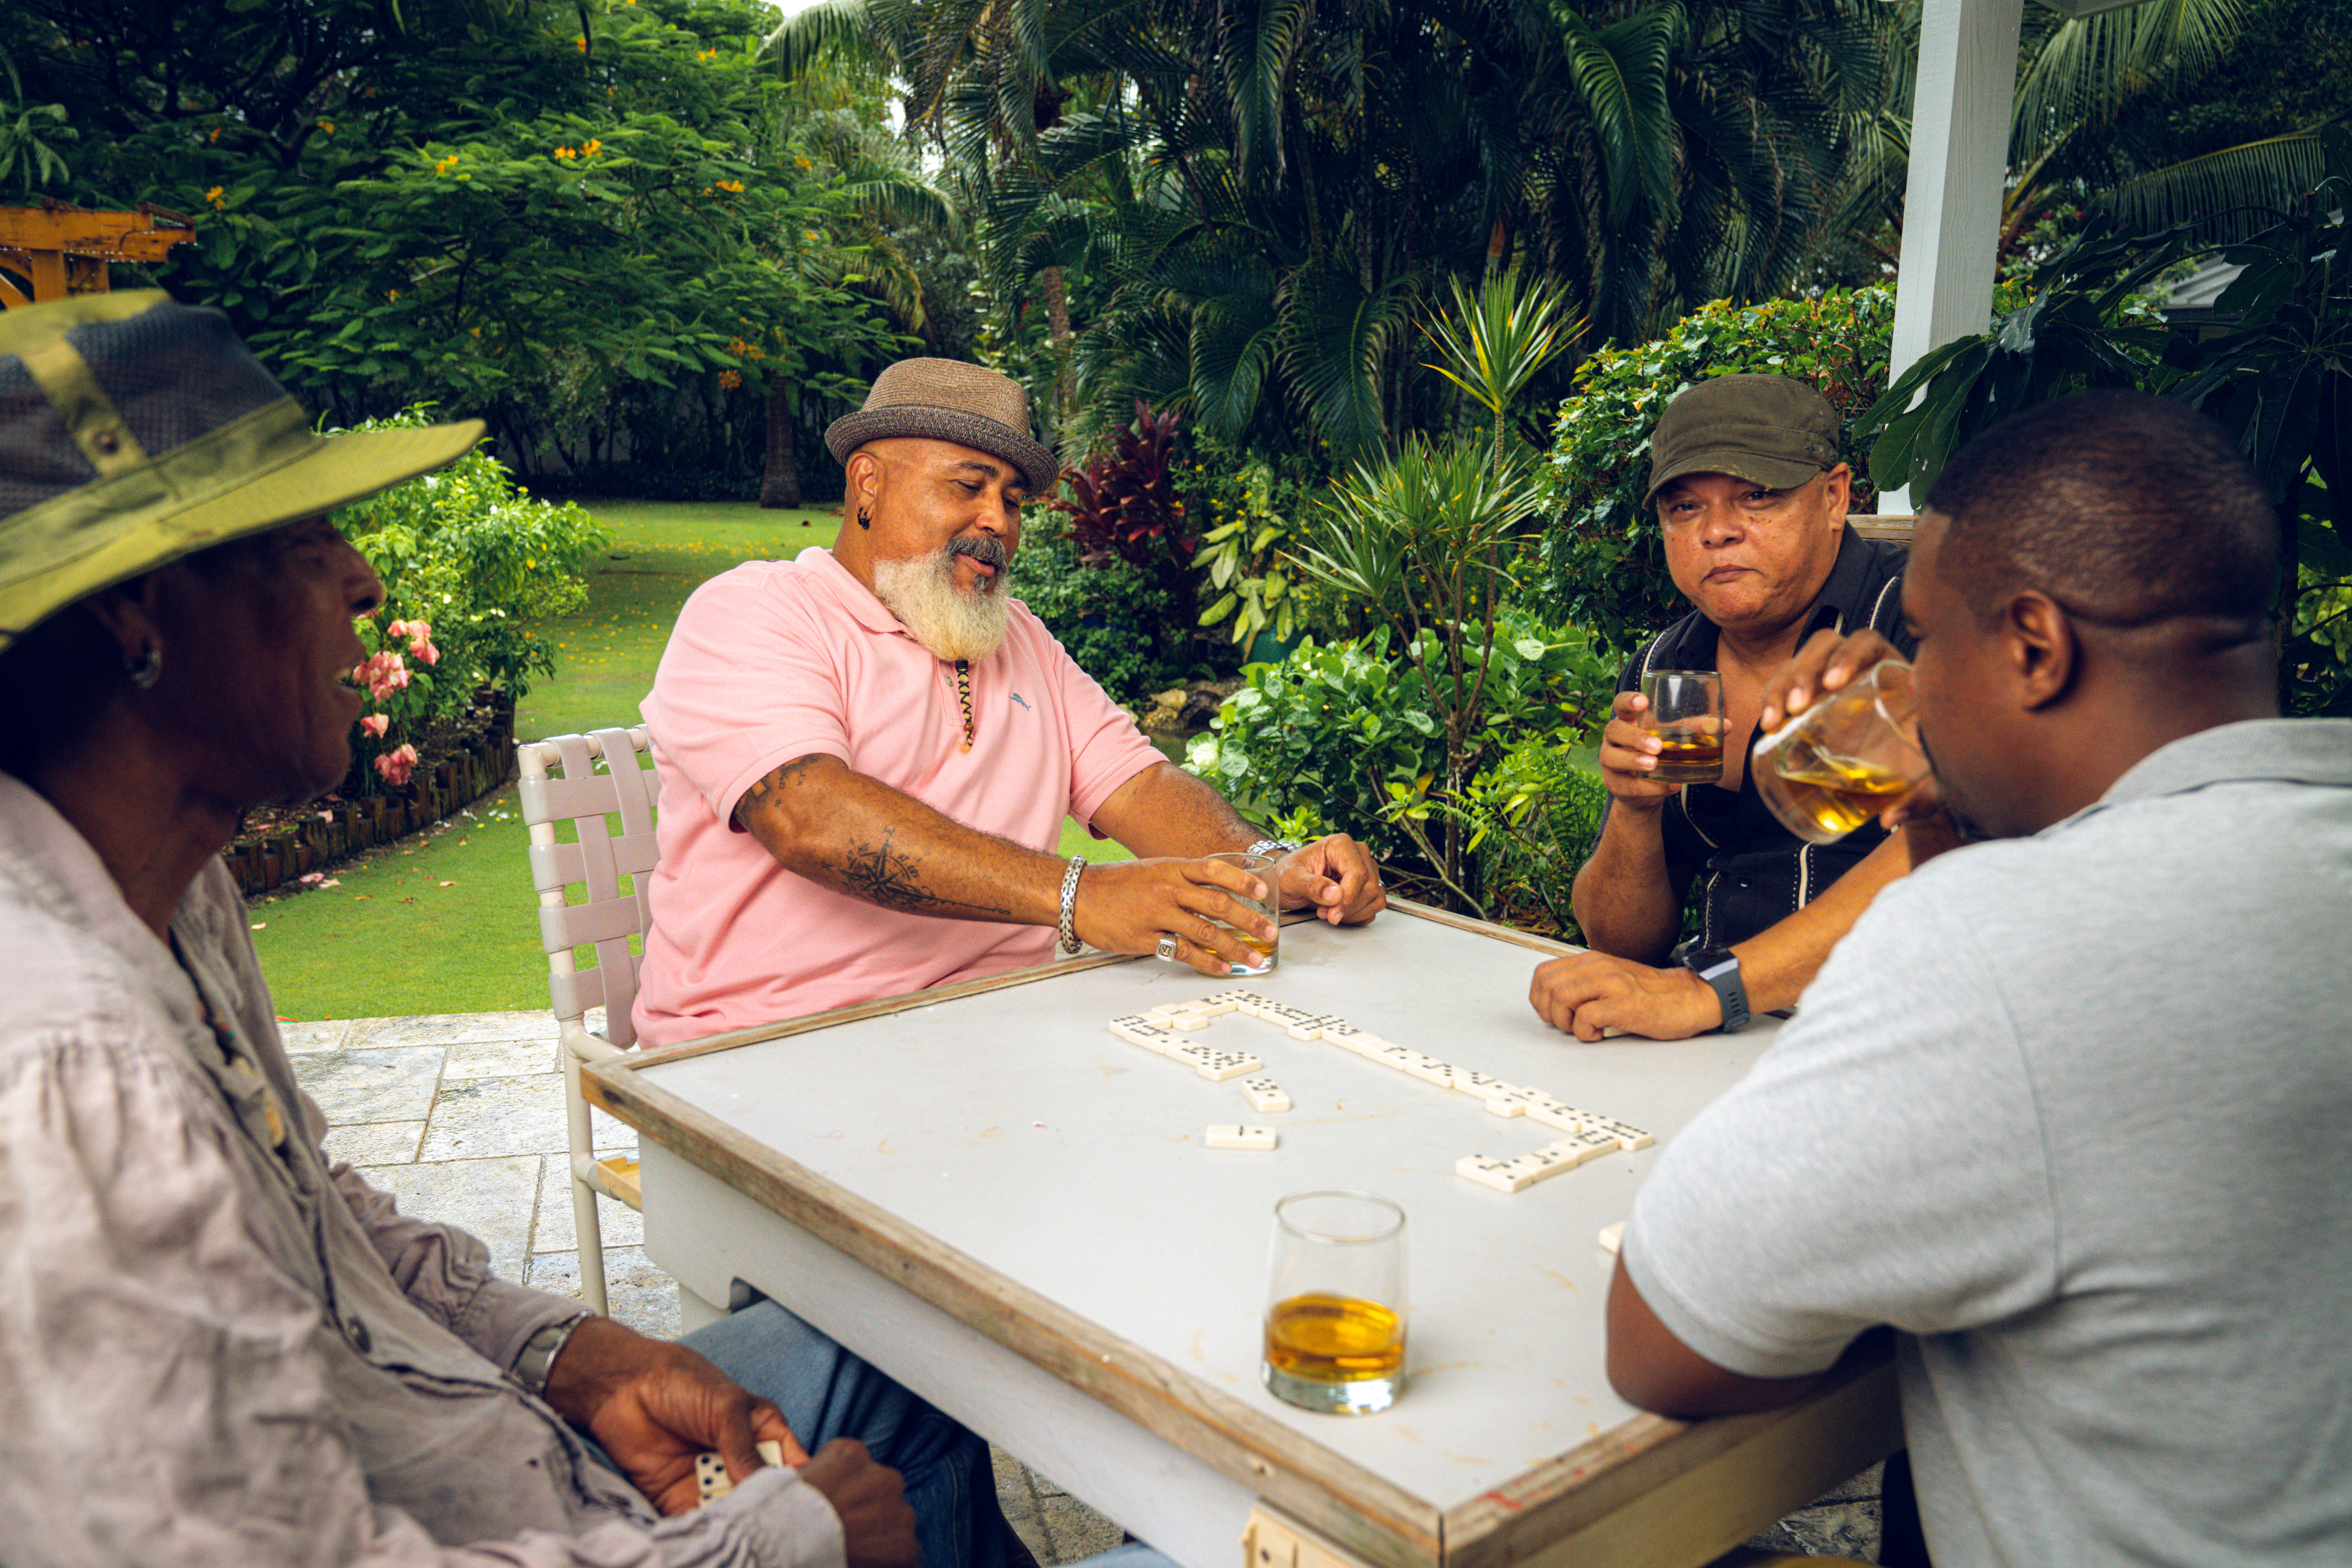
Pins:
<point x="853" y="596"/>
<point x="63" y="876"/>
<point x="2281" y="751"/>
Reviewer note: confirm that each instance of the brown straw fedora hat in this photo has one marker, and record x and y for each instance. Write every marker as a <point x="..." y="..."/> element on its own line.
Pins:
<point x="948" y="400"/>
<point x="134" y="431"/>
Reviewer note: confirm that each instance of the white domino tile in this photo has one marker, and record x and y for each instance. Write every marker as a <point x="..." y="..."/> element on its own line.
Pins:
<point x="1265" y="1094"/>
<point x="1228" y="1135"/>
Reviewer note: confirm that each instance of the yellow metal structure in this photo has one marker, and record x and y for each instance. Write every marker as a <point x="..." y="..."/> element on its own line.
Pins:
<point x="57" y="249"/>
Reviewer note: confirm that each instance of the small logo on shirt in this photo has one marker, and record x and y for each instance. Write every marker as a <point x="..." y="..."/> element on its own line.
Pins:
<point x="1022" y="700"/>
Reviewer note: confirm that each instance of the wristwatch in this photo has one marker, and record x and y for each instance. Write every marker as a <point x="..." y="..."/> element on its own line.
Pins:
<point x="536" y="1357"/>
<point x="1275" y="846"/>
<point x="1719" y="967"/>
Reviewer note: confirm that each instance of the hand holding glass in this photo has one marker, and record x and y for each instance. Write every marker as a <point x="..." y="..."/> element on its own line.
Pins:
<point x="1262" y="868"/>
<point x="1686" y="716"/>
<point x="1848" y="757"/>
<point x="1335" y="1303"/>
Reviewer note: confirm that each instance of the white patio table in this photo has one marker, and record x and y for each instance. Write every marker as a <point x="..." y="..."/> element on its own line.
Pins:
<point x="984" y="1191"/>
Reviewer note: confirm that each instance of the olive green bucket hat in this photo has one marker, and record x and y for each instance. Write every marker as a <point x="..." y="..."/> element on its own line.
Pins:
<point x="134" y="431"/>
<point x="1769" y="430"/>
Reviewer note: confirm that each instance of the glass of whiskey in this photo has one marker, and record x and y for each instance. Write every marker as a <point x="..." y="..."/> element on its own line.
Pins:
<point x="1851" y="755"/>
<point x="1335" y="1314"/>
<point x="1686" y="716"/>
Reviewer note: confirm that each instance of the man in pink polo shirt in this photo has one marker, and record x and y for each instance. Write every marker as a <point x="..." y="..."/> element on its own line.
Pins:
<point x="865" y="754"/>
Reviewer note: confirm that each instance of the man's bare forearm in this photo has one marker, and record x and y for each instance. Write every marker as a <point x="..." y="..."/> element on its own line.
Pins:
<point x="1163" y="810"/>
<point x="856" y="834"/>
<point x="1777" y="963"/>
<point x="1625" y="897"/>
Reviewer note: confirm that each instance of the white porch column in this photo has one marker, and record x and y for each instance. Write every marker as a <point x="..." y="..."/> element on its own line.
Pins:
<point x="1960" y="159"/>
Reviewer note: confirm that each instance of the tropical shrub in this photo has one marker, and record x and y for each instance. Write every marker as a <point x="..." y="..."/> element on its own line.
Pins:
<point x="1124" y="502"/>
<point x="468" y="561"/>
<point x="1535" y="817"/>
<point x="1598" y="563"/>
<point x="1112" y="617"/>
<point x="1341" y="736"/>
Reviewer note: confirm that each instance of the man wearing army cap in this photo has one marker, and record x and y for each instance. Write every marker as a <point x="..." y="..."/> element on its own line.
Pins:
<point x="1751" y="498"/>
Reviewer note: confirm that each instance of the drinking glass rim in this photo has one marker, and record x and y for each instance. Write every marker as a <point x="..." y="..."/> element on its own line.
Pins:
<point x="1306" y="1234"/>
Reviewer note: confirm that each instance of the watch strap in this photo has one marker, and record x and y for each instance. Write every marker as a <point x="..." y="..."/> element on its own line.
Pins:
<point x="1719" y="967"/>
<point x="536" y="1357"/>
<point x="1271" y="846"/>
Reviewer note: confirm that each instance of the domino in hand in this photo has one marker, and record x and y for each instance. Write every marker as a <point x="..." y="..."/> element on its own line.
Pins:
<point x="711" y="1482"/>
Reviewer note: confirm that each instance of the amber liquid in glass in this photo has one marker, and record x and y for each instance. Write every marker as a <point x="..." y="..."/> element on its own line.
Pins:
<point x="1334" y="1339"/>
<point x="1687" y="757"/>
<point x="1837" y="794"/>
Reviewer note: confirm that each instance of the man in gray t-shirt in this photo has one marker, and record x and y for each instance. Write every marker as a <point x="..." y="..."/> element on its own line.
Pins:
<point x="2069" y="1110"/>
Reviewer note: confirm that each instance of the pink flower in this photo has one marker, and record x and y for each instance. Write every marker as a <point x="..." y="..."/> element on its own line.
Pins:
<point x="396" y="630"/>
<point x="426" y="651"/>
<point x="395" y="766"/>
<point x="374" y="724"/>
<point x="383" y="674"/>
<point x="420" y="639"/>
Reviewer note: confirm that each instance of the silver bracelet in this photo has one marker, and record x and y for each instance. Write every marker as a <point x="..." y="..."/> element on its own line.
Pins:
<point x="1275" y="847"/>
<point x="1067" y="931"/>
<point x="536" y="1357"/>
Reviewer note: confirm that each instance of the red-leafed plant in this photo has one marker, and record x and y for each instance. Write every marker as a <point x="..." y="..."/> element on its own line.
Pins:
<point x="1124" y="502"/>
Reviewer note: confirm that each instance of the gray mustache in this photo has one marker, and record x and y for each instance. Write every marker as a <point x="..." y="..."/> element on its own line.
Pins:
<point x="982" y="547"/>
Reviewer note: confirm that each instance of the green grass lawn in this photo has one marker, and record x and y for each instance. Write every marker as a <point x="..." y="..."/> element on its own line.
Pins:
<point x="442" y="921"/>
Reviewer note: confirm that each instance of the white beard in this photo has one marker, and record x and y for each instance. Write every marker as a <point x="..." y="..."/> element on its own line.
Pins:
<point x="951" y="623"/>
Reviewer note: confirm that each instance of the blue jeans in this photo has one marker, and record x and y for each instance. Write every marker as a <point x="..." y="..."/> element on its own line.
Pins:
<point x="827" y="1393"/>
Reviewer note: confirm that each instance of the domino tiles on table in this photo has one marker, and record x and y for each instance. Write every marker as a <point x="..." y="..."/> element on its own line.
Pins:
<point x="1587" y="1136"/>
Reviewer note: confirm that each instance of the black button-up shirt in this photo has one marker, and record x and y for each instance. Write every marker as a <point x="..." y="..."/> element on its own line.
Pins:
<point x="1758" y="873"/>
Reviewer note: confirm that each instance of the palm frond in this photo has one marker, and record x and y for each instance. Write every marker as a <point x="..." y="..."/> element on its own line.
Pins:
<point x="2230" y="194"/>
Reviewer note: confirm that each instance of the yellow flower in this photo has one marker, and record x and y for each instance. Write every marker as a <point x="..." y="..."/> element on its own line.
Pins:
<point x="734" y="185"/>
<point x="328" y="126"/>
<point x="801" y="163"/>
<point x="445" y="165"/>
<point x="582" y="41"/>
<point x="590" y="147"/>
<point x="730" y="379"/>
<point x="216" y="135"/>
<point x="391" y="293"/>
<point x="476" y="330"/>
<point x="214" y="196"/>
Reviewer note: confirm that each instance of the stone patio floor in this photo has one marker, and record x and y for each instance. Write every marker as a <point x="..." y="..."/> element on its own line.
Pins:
<point x="460" y="1117"/>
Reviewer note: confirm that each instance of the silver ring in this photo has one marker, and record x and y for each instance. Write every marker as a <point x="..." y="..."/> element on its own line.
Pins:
<point x="1167" y="948"/>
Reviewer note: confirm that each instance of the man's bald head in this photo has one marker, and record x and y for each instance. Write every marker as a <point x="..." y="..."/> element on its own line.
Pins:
<point x="2126" y="509"/>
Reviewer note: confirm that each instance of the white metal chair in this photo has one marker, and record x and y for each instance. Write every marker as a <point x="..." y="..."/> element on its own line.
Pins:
<point x="561" y="782"/>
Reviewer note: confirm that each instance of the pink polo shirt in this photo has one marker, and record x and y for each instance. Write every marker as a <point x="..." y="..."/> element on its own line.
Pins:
<point x="779" y="659"/>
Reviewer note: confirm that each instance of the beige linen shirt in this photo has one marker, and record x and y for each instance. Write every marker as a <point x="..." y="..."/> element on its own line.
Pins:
<point x="215" y="1347"/>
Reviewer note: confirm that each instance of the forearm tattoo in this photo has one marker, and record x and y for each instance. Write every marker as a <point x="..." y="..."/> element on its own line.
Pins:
<point x="763" y="791"/>
<point x="881" y="875"/>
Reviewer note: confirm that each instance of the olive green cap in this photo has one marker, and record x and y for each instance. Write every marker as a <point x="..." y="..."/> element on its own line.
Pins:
<point x="1766" y="429"/>
<point x="134" y="431"/>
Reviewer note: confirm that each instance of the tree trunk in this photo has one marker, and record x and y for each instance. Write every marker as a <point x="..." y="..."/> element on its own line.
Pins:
<point x="1058" y="316"/>
<point x="780" y="485"/>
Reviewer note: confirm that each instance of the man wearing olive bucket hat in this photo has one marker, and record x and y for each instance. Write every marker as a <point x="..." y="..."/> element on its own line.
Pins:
<point x="218" y="1344"/>
<point x="867" y="754"/>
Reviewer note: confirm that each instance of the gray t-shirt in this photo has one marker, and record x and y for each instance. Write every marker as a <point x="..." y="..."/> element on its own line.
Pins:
<point x="2074" y="1114"/>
